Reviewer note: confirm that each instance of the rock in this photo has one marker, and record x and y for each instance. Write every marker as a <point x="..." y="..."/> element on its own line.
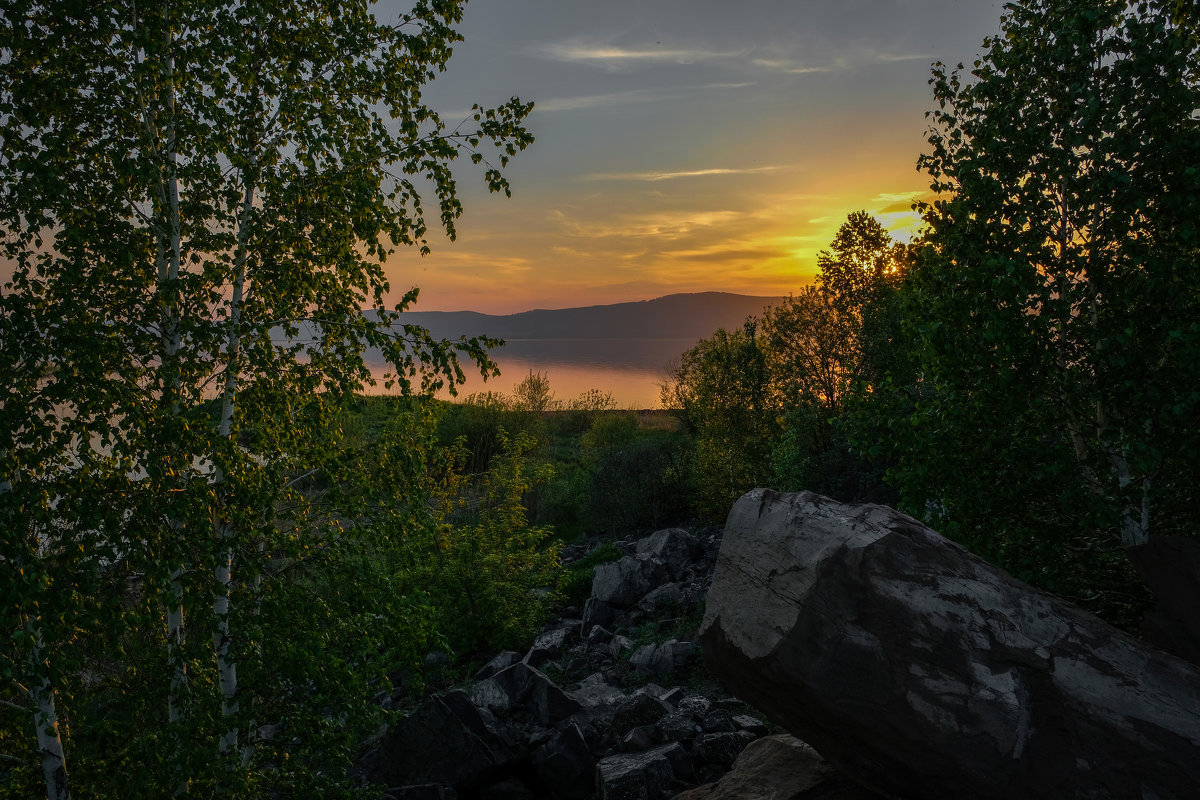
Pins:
<point x="622" y="583"/>
<point x="752" y="725"/>
<point x="640" y="738"/>
<point x="597" y="612"/>
<point x="594" y="690"/>
<point x="521" y="689"/>
<point x="920" y="670"/>
<point x="507" y="789"/>
<point x="720" y="748"/>
<point x="667" y="596"/>
<point x="501" y="661"/>
<point x="672" y="656"/>
<point x="641" y="709"/>
<point x="674" y="547"/>
<point x="619" y="645"/>
<point x="677" y="727"/>
<point x="549" y="645"/>
<point x="565" y="765"/>
<point x="1170" y="566"/>
<point x="427" y="791"/>
<point x="444" y="742"/>
<point x="642" y="659"/>
<point x="674" y="696"/>
<point x="641" y="776"/>
<point x="780" y="768"/>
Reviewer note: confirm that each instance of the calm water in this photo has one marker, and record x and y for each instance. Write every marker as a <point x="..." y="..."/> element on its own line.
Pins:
<point x="632" y="369"/>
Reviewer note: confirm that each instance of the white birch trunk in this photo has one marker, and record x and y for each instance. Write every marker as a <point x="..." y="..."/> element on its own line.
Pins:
<point x="45" y="718"/>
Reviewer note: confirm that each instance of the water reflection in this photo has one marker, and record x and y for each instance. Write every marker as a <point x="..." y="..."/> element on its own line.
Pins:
<point x="631" y="369"/>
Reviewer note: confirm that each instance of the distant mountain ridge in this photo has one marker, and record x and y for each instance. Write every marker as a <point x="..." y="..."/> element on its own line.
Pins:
<point x="674" y="316"/>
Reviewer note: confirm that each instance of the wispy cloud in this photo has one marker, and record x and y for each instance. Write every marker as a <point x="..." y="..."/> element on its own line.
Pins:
<point x="789" y="66"/>
<point x="598" y="100"/>
<point x="669" y="176"/>
<point x="613" y="56"/>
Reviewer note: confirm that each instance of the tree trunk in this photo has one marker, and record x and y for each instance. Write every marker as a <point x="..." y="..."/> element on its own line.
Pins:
<point x="45" y="717"/>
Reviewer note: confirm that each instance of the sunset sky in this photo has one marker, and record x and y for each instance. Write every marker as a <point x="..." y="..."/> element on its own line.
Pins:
<point x="685" y="145"/>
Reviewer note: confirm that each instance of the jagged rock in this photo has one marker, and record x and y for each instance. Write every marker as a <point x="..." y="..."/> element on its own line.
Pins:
<point x="721" y="748"/>
<point x="674" y="547"/>
<point x="696" y="705"/>
<point x="523" y="688"/>
<point x="597" y="612"/>
<point x="446" y="741"/>
<point x="619" y="645"/>
<point x="780" y="768"/>
<point x="598" y="635"/>
<point x="622" y="583"/>
<point x="642" y="776"/>
<point x="678" y="727"/>
<point x="642" y="659"/>
<point x="718" y="720"/>
<point x="918" y="669"/>
<point x="500" y="661"/>
<point x="752" y="725"/>
<point x="428" y="791"/>
<point x="549" y="645"/>
<point x="640" y="738"/>
<point x="565" y="765"/>
<point x="673" y="696"/>
<point x="641" y="709"/>
<point x="669" y="595"/>
<point x="594" y="690"/>
<point x="507" y="789"/>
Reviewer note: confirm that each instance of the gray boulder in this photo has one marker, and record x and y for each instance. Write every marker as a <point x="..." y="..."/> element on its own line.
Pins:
<point x="920" y="670"/>
<point x="642" y="776"/>
<point x="674" y="547"/>
<point x="565" y="765"/>
<point x="521" y="690"/>
<point x="447" y="741"/>
<point x="780" y="768"/>
<point x="622" y="583"/>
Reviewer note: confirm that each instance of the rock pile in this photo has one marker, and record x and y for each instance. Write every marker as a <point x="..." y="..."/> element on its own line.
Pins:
<point x="617" y="721"/>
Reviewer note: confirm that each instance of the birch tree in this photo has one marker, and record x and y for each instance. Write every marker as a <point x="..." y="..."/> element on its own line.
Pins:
<point x="1058" y="315"/>
<point x="198" y="200"/>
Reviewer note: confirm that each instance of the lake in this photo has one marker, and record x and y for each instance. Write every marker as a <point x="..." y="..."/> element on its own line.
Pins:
<point x="631" y="369"/>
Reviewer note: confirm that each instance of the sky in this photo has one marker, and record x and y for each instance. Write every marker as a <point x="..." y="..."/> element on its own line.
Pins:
<point x="684" y="145"/>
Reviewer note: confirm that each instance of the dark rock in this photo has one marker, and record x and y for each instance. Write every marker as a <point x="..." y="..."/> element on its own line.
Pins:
<point x="718" y="720"/>
<point x="780" y="768"/>
<point x="448" y="743"/>
<point x="507" y="789"/>
<point x="720" y="748"/>
<point x="501" y="661"/>
<point x="677" y="727"/>
<point x="640" y="776"/>
<point x="667" y="596"/>
<point x="428" y="791"/>
<point x="643" y="737"/>
<point x="565" y="765"/>
<point x="642" y="659"/>
<point x="918" y="669"/>
<point x="672" y="656"/>
<point x="673" y="696"/>
<point x="598" y="635"/>
<point x="674" y="547"/>
<point x="549" y="645"/>
<point x="598" y="612"/>
<point x="641" y="709"/>
<point x="523" y="691"/>
<point x="622" y="583"/>
<point x="752" y="725"/>
<point x="619" y="645"/>
<point x="594" y="690"/>
<point x="1170" y="566"/>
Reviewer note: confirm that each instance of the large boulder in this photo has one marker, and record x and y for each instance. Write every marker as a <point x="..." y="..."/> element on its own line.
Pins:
<point x="924" y="672"/>
<point x="780" y="768"/>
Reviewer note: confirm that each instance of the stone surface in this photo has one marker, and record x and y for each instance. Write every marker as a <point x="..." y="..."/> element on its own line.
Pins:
<point x="639" y="776"/>
<point x="1170" y="566"/>
<point x="565" y="765"/>
<point x="622" y="583"/>
<point x="917" y="668"/>
<point x="524" y="691"/>
<point x="469" y="752"/>
<point x="780" y="768"/>
<point x="674" y="547"/>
